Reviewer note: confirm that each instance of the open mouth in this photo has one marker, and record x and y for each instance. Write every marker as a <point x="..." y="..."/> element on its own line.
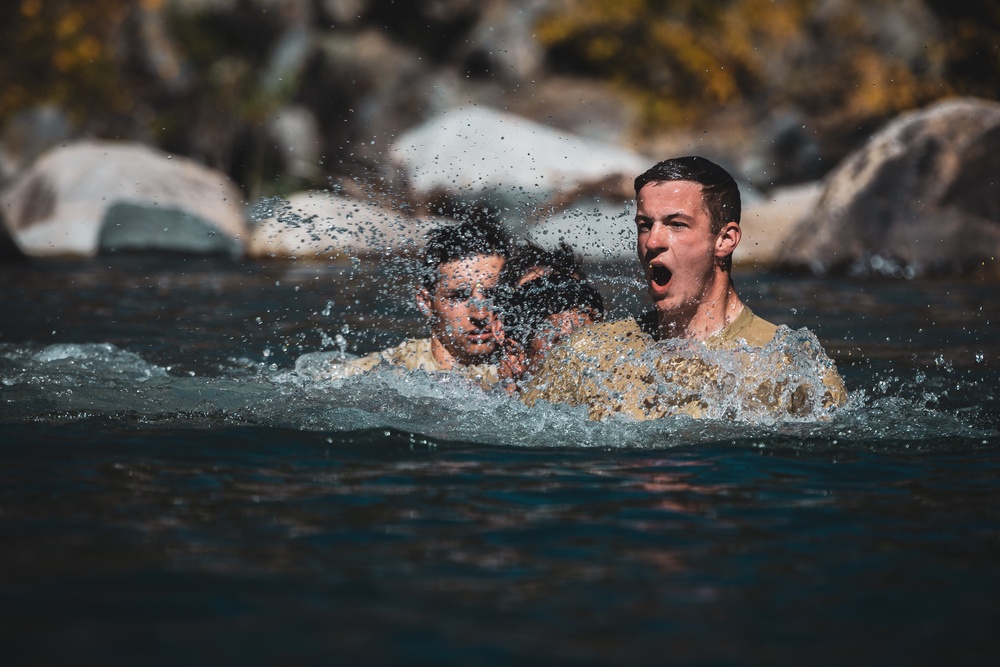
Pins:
<point x="480" y="336"/>
<point x="659" y="275"/>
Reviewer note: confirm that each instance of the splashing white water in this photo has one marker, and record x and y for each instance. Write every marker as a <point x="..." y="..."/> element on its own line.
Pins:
<point x="77" y="381"/>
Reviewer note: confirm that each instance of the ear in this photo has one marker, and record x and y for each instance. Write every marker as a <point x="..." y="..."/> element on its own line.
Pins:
<point x="423" y="299"/>
<point x="727" y="240"/>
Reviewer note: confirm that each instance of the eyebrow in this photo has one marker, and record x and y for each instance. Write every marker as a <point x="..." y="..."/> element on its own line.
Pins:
<point x="666" y="218"/>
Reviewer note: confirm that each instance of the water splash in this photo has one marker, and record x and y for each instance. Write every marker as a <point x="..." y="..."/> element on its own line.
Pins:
<point x="60" y="383"/>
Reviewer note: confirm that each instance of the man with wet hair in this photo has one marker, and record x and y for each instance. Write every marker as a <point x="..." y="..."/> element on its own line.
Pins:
<point x="538" y="314"/>
<point x="687" y="227"/>
<point x="530" y="260"/>
<point x="461" y="263"/>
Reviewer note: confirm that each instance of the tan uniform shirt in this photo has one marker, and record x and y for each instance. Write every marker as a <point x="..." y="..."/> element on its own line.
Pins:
<point x="414" y="355"/>
<point x="620" y="368"/>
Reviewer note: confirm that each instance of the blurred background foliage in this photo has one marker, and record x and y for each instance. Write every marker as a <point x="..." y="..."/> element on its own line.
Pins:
<point x="848" y="62"/>
<point x="62" y="53"/>
<point x="205" y="77"/>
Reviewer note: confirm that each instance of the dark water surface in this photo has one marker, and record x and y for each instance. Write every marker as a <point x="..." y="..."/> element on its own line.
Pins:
<point x="172" y="493"/>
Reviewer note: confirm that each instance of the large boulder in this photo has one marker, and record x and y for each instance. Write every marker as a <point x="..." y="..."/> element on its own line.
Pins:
<point x="93" y="197"/>
<point x="919" y="197"/>
<point x="324" y="224"/>
<point x="485" y="156"/>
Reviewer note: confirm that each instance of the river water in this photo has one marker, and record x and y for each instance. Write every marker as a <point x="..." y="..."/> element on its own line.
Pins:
<point x="173" y="492"/>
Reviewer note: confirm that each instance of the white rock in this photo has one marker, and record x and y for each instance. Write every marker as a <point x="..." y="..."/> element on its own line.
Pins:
<point x="478" y="153"/>
<point x="319" y="223"/>
<point x="597" y="230"/>
<point x="125" y="196"/>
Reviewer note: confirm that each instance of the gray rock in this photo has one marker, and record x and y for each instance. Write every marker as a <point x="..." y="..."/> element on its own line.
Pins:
<point x="503" y="43"/>
<point x="920" y="196"/>
<point x="296" y="136"/>
<point x="129" y="227"/>
<point x="584" y="107"/>
<point x="125" y="196"/>
<point x="363" y="87"/>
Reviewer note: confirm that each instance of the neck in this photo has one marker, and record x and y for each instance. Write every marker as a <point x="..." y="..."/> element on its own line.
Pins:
<point x="713" y="313"/>
<point x="442" y="355"/>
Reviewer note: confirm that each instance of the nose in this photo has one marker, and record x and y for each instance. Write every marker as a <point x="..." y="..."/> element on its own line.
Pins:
<point x="657" y="239"/>
<point x="480" y="308"/>
<point x="480" y="320"/>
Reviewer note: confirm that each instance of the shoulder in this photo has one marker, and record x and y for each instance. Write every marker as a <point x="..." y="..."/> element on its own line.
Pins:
<point x="601" y="367"/>
<point x="485" y="375"/>
<point x="412" y="354"/>
<point x="595" y="351"/>
<point x="410" y="346"/>
<point x="746" y="329"/>
<point x="416" y="354"/>
<point x="609" y="337"/>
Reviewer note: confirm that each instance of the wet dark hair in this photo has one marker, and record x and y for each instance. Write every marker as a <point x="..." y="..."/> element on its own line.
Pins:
<point x="450" y="243"/>
<point x="719" y="189"/>
<point x="524" y="309"/>
<point x="528" y="255"/>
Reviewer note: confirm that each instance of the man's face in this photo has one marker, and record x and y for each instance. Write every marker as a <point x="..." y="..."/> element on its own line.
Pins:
<point x="461" y="319"/>
<point x="675" y="243"/>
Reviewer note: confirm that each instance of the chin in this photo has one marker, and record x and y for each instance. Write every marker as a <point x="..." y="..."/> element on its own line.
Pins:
<point x="667" y="306"/>
<point x="481" y="353"/>
<point x="661" y="302"/>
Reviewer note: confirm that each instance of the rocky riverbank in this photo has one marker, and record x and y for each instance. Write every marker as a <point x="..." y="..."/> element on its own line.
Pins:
<point x="916" y="199"/>
<point x="277" y="129"/>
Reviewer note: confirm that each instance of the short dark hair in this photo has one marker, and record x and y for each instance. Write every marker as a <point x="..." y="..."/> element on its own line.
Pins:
<point x="524" y="309"/>
<point x="453" y="242"/>
<point x="719" y="190"/>
<point x="528" y="255"/>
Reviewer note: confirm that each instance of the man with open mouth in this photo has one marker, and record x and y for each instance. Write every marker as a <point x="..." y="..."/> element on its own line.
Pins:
<point x="687" y="227"/>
